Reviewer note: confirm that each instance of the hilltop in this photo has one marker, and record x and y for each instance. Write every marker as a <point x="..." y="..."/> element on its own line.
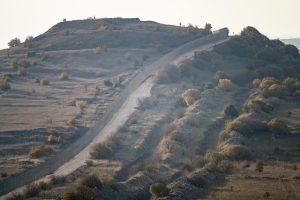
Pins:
<point x="218" y="116"/>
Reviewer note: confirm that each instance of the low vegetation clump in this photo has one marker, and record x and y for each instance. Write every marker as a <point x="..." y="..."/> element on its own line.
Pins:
<point x="63" y="76"/>
<point x="79" y="192"/>
<point x="40" y="151"/>
<point x="231" y="112"/>
<point x="190" y="96"/>
<point x="5" y="86"/>
<point x="254" y="105"/>
<point x="267" y="82"/>
<point x="108" y="83"/>
<point x="80" y="105"/>
<point x="92" y="181"/>
<point x="168" y="74"/>
<point x="237" y="152"/>
<point x="99" y="50"/>
<point x="14" y="42"/>
<point x="247" y="126"/>
<point x="220" y="75"/>
<point x="22" y="71"/>
<point x="32" y="190"/>
<point x="101" y="151"/>
<point x="292" y="84"/>
<point x="159" y="190"/>
<point x="278" y="126"/>
<point x="256" y="83"/>
<point x="225" y="84"/>
<point x="13" y="64"/>
<point x="44" y="81"/>
<point x="276" y="90"/>
<point x="259" y="166"/>
<point x="217" y="162"/>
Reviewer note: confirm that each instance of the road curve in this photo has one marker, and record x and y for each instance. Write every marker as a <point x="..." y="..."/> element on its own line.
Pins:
<point x="68" y="154"/>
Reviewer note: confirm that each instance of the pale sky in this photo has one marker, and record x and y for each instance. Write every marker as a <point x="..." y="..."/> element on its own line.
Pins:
<point x="274" y="18"/>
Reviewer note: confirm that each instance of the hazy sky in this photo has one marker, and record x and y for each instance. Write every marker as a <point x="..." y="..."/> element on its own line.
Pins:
<point x="274" y="18"/>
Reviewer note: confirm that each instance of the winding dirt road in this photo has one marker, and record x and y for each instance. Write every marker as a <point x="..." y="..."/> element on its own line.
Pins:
<point x="139" y="87"/>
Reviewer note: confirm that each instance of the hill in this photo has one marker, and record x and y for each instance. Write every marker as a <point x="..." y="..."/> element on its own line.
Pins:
<point x="218" y="121"/>
<point x="294" y="41"/>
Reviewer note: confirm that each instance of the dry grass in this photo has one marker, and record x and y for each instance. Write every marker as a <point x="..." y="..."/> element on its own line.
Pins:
<point x="22" y="71"/>
<point x="63" y="76"/>
<point x="80" y="105"/>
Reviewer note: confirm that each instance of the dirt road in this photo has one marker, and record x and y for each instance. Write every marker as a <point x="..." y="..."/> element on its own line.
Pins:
<point x="77" y="153"/>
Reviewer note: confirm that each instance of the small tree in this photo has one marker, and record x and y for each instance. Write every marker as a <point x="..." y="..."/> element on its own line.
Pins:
<point x="159" y="190"/>
<point x="207" y="28"/>
<point x="231" y="111"/>
<point x="14" y="42"/>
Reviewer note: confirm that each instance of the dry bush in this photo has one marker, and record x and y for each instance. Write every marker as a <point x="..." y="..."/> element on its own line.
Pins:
<point x="247" y="126"/>
<point x="5" y="86"/>
<point x="267" y="82"/>
<point x="159" y="190"/>
<point x="278" y="126"/>
<point x="101" y="151"/>
<point x="44" y="81"/>
<point x="237" y="152"/>
<point x="92" y="181"/>
<point x="276" y="90"/>
<point x="168" y="74"/>
<point x="6" y="77"/>
<point x="15" y="196"/>
<point x="214" y="157"/>
<point x="256" y="83"/>
<point x="80" y="105"/>
<point x="32" y="190"/>
<point x="223" y="166"/>
<point x="13" y="64"/>
<point x="291" y="84"/>
<point x="190" y="96"/>
<point x="184" y="67"/>
<point x="40" y="151"/>
<point x="220" y="75"/>
<point x="259" y="166"/>
<point x="99" y="50"/>
<point x="71" y="121"/>
<point x="273" y="101"/>
<point x="79" y="192"/>
<point x="225" y="84"/>
<point x="196" y="161"/>
<point x="63" y="76"/>
<point x="257" y="106"/>
<point x="22" y="71"/>
<point x="55" y="180"/>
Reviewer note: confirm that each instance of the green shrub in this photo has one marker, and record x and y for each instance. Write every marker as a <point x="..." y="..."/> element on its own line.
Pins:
<point x="231" y="111"/>
<point x="237" y="152"/>
<point x="92" y="181"/>
<point x="40" y="151"/>
<point x="159" y="190"/>
<point x="190" y="96"/>
<point x="108" y="83"/>
<point x="101" y="151"/>
<point x="278" y="126"/>
<point x="80" y="192"/>
<point x="14" y="42"/>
